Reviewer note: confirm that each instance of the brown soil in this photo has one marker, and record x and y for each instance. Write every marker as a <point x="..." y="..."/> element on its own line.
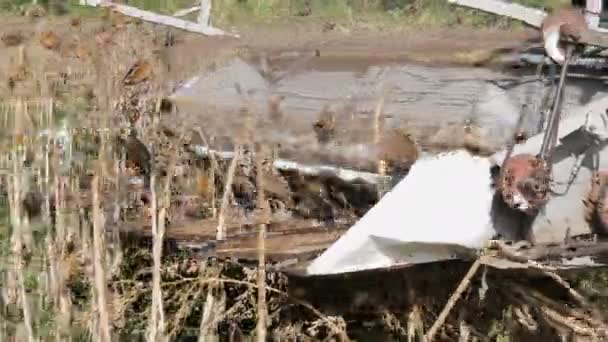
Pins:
<point x="191" y="51"/>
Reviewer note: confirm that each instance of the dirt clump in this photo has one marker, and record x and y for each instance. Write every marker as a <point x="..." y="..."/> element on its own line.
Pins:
<point x="50" y="40"/>
<point x="325" y="126"/>
<point x="398" y="150"/>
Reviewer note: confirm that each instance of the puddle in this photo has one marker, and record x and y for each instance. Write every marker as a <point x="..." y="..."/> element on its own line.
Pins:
<point x="434" y="104"/>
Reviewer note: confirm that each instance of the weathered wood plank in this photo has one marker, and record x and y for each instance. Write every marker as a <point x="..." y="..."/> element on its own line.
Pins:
<point x="281" y="247"/>
<point x="167" y="20"/>
<point x="295" y="239"/>
<point x="530" y="16"/>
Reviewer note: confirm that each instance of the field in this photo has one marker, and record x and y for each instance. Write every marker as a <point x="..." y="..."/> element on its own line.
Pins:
<point x="110" y="211"/>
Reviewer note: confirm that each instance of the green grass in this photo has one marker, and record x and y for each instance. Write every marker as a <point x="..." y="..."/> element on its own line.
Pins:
<point x="426" y="13"/>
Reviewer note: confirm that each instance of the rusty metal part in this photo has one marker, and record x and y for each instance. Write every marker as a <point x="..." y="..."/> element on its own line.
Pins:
<point x="596" y="212"/>
<point x="523" y="183"/>
<point x="525" y="179"/>
<point x="514" y="170"/>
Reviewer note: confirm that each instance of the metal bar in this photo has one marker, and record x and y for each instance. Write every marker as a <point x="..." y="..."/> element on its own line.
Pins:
<point x="550" y="138"/>
<point x="592" y="13"/>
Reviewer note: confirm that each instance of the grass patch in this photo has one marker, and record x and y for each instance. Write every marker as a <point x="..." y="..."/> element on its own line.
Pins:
<point x="419" y="13"/>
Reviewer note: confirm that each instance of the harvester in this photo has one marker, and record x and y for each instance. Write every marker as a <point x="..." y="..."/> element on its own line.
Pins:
<point x="548" y="191"/>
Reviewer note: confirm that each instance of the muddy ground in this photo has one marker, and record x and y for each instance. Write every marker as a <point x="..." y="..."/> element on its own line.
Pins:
<point x="454" y="45"/>
<point x="68" y="68"/>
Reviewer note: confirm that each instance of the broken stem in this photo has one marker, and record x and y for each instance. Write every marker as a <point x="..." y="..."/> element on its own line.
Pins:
<point x="261" y="280"/>
<point x="567" y="322"/>
<point x="15" y="192"/>
<point x="221" y="224"/>
<point x="464" y="284"/>
<point x="153" y="324"/>
<point x="99" y="264"/>
<point x="204" y="332"/>
<point x="377" y="116"/>
<point x="212" y="169"/>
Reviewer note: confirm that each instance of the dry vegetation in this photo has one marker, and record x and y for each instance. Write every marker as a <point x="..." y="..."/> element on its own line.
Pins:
<point x="89" y="165"/>
<point x="86" y="156"/>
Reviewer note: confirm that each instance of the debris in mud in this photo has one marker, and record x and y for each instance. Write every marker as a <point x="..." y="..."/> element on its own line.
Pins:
<point x="50" y="40"/>
<point x="11" y="39"/>
<point x="17" y="73"/>
<point x="274" y="108"/>
<point x="75" y="22"/>
<point x="32" y="203"/>
<point x="596" y="213"/>
<point x="79" y="50"/>
<point x="329" y="198"/>
<point x="398" y="150"/>
<point x="137" y="155"/>
<point x="325" y="126"/>
<point x="33" y="11"/>
<point x="307" y="10"/>
<point x="329" y="26"/>
<point x="276" y="187"/>
<point x="103" y="37"/>
<point x="469" y="135"/>
<point x="140" y="72"/>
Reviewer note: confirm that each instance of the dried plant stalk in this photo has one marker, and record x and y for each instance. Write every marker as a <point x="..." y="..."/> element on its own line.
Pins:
<point x="212" y="169"/>
<point x="156" y="291"/>
<point x="3" y="335"/>
<point x="568" y="322"/>
<point x="415" y="326"/>
<point x="15" y="192"/>
<point x="116" y="249"/>
<point x="157" y="317"/>
<point x="104" y="332"/>
<point x="262" y="324"/>
<point x="377" y="118"/>
<point x="56" y="247"/>
<point x="205" y="334"/>
<point x="464" y="284"/>
<point x="381" y="163"/>
<point x="221" y="228"/>
<point x="53" y="281"/>
<point x="27" y="315"/>
<point x="47" y="172"/>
